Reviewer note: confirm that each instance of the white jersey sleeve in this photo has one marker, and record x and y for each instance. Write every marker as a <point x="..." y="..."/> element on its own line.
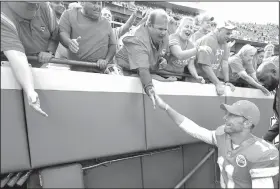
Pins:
<point x="198" y="132"/>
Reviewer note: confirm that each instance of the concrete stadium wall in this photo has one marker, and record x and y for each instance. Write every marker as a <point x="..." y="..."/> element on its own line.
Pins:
<point x="14" y="142"/>
<point x="95" y="115"/>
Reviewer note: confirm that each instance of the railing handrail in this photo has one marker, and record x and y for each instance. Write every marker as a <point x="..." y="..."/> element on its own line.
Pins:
<point x="94" y="64"/>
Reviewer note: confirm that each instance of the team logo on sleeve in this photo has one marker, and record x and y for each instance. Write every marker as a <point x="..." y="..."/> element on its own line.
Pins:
<point x="241" y="161"/>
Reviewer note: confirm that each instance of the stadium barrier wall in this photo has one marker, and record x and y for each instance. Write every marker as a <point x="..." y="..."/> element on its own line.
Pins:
<point x="90" y="119"/>
<point x="14" y="143"/>
<point x="90" y="116"/>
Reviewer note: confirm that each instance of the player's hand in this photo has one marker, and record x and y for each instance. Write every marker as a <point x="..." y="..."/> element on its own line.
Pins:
<point x="151" y="93"/>
<point x="102" y="64"/>
<point x="220" y="88"/>
<point x="34" y="102"/>
<point x="162" y="63"/>
<point x="200" y="79"/>
<point x="44" y="57"/>
<point x="161" y="104"/>
<point x="205" y="48"/>
<point x="74" y="45"/>
<point x="232" y="87"/>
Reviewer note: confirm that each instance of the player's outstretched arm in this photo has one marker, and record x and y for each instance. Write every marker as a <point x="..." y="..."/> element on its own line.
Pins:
<point x="186" y="124"/>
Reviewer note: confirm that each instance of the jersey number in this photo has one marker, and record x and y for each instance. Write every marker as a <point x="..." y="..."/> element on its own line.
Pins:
<point x="229" y="169"/>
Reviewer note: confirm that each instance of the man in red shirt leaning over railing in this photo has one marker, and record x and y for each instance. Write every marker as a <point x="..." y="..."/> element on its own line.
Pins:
<point x="28" y="28"/>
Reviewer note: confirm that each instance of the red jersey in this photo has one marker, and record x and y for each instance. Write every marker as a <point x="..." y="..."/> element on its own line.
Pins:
<point x="254" y="162"/>
<point x="252" y="159"/>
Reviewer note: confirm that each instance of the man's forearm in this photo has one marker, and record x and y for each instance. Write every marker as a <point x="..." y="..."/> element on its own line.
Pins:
<point x="111" y="52"/>
<point x="146" y="78"/>
<point x="251" y="81"/>
<point x="192" y="69"/>
<point x="128" y="24"/>
<point x="21" y="69"/>
<point x="65" y="39"/>
<point x="52" y="46"/>
<point x="254" y="76"/>
<point x="211" y="75"/>
<point x="225" y="70"/>
<point x="186" y="54"/>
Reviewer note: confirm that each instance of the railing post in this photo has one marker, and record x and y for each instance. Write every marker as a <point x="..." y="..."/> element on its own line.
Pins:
<point x="180" y="184"/>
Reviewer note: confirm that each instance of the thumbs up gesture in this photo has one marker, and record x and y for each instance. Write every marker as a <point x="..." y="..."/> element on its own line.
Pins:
<point x="74" y="45"/>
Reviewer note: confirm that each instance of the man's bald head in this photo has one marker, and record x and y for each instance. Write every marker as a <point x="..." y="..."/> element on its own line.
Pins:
<point x="157" y="14"/>
<point x="157" y="23"/>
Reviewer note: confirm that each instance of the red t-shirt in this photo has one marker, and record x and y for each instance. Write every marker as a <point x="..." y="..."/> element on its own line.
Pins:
<point x="138" y="50"/>
<point x="215" y="59"/>
<point x="96" y="36"/>
<point x="29" y="37"/>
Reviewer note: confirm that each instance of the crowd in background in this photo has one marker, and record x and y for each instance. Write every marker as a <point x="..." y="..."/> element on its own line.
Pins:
<point x="263" y="33"/>
<point x="143" y="8"/>
<point x="159" y="47"/>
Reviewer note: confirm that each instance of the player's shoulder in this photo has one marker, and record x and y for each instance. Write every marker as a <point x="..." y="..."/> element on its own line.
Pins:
<point x="262" y="150"/>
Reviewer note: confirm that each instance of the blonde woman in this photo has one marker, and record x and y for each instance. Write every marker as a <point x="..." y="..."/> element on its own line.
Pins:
<point x="183" y="50"/>
<point x="268" y="51"/>
<point x="241" y="68"/>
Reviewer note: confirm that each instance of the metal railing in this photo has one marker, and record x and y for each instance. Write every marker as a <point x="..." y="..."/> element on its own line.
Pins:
<point x="130" y="157"/>
<point x="94" y="65"/>
<point x="188" y="176"/>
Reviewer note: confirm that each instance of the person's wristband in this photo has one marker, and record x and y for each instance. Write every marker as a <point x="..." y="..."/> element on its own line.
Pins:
<point x="166" y="107"/>
<point x="147" y="88"/>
